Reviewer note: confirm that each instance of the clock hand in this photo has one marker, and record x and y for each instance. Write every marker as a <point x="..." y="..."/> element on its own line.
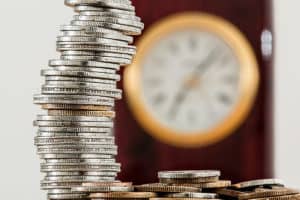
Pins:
<point x="181" y="96"/>
<point x="204" y="65"/>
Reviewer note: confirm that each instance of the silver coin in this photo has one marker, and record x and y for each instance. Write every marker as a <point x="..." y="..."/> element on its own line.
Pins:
<point x="80" y="147"/>
<point x="76" y="124"/>
<point x="72" y="135"/>
<point x="67" y="196"/>
<point x="88" y="69"/>
<point x="89" y="30"/>
<point x="104" y="34"/>
<point x="73" y="99"/>
<point x="75" y="129"/>
<point x="67" y="185"/>
<point x="78" y="53"/>
<point x="50" y="174"/>
<point x="89" y="40"/>
<point x="120" y="61"/>
<point x="81" y="160"/>
<point x="79" y="79"/>
<point x="77" y="179"/>
<point x="110" y="14"/>
<point x="80" y="8"/>
<point x="78" y="155"/>
<point x="50" y="72"/>
<point x="97" y="58"/>
<point x="67" y="84"/>
<point x="260" y="182"/>
<point x="64" y="141"/>
<point x="81" y="167"/>
<point x="128" y="30"/>
<point x="193" y="195"/>
<point x="62" y="191"/>
<point x="103" y="188"/>
<point x="115" y="20"/>
<point x="77" y="151"/>
<point x="83" y="64"/>
<point x="72" y="118"/>
<point x="119" y="4"/>
<point x="96" y="48"/>
<point x="189" y="174"/>
<point x="90" y="53"/>
<point x="72" y="90"/>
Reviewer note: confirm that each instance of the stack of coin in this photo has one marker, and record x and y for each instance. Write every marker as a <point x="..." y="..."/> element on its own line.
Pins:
<point x="181" y="185"/>
<point x="75" y="139"/>
<point x="264" y="189"/>
<point x="112" y="191"/>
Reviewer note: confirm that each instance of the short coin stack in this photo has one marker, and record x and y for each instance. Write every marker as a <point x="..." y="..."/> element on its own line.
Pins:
<point x="186" y="185"/>
<point x="74" y="138"/>
<point x="263" y="189"/>
<point x="112" y="191"/>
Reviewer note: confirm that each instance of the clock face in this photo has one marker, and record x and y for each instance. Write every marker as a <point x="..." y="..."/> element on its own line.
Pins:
<point x="190" y="80"/>
<point x="193" y="80"/>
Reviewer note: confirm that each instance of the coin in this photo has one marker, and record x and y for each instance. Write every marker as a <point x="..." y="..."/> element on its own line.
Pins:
<point x="82" y="64"/>
<point x="72" y="118"/>
<point x="110" y="14"/>
<point x="123" y="195"/>
<point x="119" y="4"/>
<point x="40" y="141"/>
<point x="110" y="114"/>
<point x="62" y="155"/>
<point x="93" y="184"/>
<point x="67" y="196"/>
<point x="112" y="19"/>
<point x="51" y="72"/>
<point x="160" y="187"/>
<point x="193" y="195"/>
<point x="73" y="99"/>
<point x="256" y="193"/>
<point x="168" y="198"/>
<point x="189" y="180"/>
<point x="74" y="130"/>
<point x="75" y="107"/>
<point x="103" y="188"/>
<point x="188" y="174"/>
<point x="208" y="185"/>
<point x="259" y="182"/>
<point x="80" y="8"/>
<point x="66" y="123"/>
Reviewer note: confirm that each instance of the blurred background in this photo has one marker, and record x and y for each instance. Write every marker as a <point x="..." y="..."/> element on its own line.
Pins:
<point x="252" y="133"/>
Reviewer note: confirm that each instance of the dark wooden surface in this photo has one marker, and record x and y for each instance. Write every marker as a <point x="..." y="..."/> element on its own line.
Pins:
<point x="247" y="154"/>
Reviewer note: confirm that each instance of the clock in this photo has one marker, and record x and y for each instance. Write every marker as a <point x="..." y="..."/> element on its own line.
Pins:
<point x="193" y="80"/>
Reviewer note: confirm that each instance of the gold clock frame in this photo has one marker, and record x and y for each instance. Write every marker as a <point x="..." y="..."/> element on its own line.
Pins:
<point x="249" y="81"/>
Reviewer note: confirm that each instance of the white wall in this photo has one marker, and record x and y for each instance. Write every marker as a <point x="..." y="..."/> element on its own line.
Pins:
<point x="287" y="88"/>
<point x="28" y="31"/>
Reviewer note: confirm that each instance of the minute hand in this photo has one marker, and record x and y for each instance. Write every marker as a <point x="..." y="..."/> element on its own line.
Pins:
<point x="202" y="67"/>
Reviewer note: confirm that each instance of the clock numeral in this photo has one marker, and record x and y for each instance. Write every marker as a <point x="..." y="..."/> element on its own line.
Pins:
<point x="173" y="47"/>
<point x="159" y="99"/>
<point x="193" y="43"/>
<point x="224" y="98"/>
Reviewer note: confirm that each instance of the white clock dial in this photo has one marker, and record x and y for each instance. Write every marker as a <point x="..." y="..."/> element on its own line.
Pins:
<point x="190" y="80"/>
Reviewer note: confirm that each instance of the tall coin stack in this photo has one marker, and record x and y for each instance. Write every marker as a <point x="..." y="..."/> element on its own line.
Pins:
<point x="75" y="139"/>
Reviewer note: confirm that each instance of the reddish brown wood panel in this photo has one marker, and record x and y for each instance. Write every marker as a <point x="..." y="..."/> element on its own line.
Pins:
<point x="247" y="154"/>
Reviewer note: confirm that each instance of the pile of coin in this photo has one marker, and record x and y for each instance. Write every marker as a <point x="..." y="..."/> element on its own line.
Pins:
<point x="112" y="191"/>
<point x="75" y="139"/>
<point x="181" y="185"/>
<point x="263" y="189"/>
